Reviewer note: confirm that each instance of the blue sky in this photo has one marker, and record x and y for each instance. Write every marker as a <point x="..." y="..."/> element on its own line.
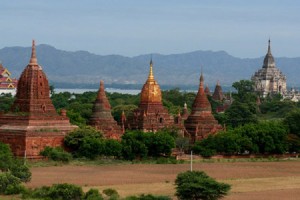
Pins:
<point x="134" y="27"/>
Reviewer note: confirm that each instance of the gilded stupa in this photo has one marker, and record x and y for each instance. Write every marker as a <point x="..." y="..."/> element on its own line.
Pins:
<point x="201" y="123"/>
<point x="102" y="118"/>
<point x="33" y="122"/>
<point x="150" y="114"/>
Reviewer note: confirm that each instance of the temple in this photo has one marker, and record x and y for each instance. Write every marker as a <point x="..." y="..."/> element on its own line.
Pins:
<point x="207" y="91"/>
<point x="7" y="84"/>
<point x="150" y="114"/>
<point x="33" y="123"/>
<point x="269" y="79"/>
<point x="201" y="123"/>
<point x="102" y="118"/>
<point x="218" y="93"/>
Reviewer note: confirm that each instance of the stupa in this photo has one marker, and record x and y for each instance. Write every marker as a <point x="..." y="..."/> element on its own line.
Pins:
<point x="207" y="91"/>
<point x="150" y="114"/>
<point x="33" y="122"/>
<point x="218" y="93"/>
<point x="201" y="123"/>
<point x="102" y="118"/>
<point x="269" y="79"/>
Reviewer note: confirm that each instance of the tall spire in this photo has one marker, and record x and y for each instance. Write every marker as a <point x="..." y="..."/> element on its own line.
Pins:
<point x="269" y="46"/>
<point x="201" y="79"/>
<point x="151" y="76"/>
<point x="33" y="59"/>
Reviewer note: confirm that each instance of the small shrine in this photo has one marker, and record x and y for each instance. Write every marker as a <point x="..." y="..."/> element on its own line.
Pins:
<point x="150" y="115"/>
<point x="33" y="123"/>
<point x="201" y="123"/>
<point x="102" y="118"/>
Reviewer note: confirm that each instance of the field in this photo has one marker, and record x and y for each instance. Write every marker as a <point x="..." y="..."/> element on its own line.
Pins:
<point x="249" y="180"/>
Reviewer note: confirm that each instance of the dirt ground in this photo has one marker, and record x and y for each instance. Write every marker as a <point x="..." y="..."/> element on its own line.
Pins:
<point x="249" y="180"/>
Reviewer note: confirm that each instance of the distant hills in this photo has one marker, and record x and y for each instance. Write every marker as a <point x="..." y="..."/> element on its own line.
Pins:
<point x="82" y="69"/>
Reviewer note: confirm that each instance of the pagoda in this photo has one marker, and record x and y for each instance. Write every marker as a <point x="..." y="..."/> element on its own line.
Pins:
<point x="218" y="93"/>
<point x="269" y="79"/>
<point x="207" y="91"/>
<point x="7" y="84"/>
<point x="201" y="123"/>
<point x="33" y="123"/>
<point x="102" y="118"/>
<point x="150" y="114"/>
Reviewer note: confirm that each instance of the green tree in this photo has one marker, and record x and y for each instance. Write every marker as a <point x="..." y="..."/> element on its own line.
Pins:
<point x="196" y="185"/>
<point x="113" y="148"/>
<point x="133" y="145"/>
<point x="65" y="191"/>
<point x="292" y="120"/>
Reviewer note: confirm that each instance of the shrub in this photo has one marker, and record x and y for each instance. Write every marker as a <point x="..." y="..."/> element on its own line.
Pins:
<point x="93" y="194"/>
<point x="65" y="191"/>
<point x="6" y="157"/>
<point x="197" y="185"/>
<point x="21" y="171"/>
<point x="112" y="193"/>
<point x="56" y="154"/>
<point x="8" y="183"/>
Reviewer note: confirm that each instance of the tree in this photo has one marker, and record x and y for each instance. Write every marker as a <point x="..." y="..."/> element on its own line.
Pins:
<point x="196" y="185"/>
<point x="292" y="120"/>
<point x="133" y="145"/>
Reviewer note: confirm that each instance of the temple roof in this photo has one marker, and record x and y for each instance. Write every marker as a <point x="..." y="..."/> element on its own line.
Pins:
<point x="151" y="92"/>
<point x="269" y="61"/>
<point x="201" y="102"/>
<point x="218" y="93"/>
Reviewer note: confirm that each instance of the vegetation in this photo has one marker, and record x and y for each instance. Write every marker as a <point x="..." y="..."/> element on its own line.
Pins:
<point x="196" y="185"/>
<point x="56" y="154"/>
<point x="12" y="172"/>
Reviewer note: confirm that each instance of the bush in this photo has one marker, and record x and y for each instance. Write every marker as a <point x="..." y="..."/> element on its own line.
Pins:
<point x="93" y="194"/>
<point x="6" y="157"/>
<point x="8" y="183"/>
<point x="111" y="193"/>
<point x="56" y="154"/>
<point x="21" y="171"/>
<point x="65" y="191"/>
<point x="14" y="189"/>
<point x="197" y="185"/>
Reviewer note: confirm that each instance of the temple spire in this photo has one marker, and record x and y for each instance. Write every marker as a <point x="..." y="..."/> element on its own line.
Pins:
<point x="151" y="76"/>
<point x="33" y="59"/>
<point x="269" y="46"/>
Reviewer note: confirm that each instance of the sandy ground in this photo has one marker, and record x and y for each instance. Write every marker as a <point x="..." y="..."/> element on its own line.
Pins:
<point x="249" y="180"/>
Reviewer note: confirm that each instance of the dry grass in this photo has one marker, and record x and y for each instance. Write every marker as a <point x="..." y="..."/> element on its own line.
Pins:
<point x="249" y="180"/>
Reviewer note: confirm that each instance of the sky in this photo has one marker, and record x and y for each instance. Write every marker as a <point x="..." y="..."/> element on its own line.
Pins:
<point x="135" y="27"/>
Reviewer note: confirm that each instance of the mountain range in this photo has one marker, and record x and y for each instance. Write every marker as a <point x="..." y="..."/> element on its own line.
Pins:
<point x="82" y="69"/>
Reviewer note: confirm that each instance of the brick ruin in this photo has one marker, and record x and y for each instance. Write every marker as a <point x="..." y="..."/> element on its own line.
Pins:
<point x="102" y="118"/>
<point x="33" y="123"/>
<point x="201" y="123"/>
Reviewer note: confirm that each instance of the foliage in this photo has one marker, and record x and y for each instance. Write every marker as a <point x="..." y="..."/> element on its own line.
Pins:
<point x="263" y="137"/>
<point x="112" y="148"/>
<point x="65" y="191"/>
<point x="91" y="148"/>
<point x="139" y="145"/>
<point x="93" y="194"/>
<point x="292" y="120"/>
<point x="197" y="185"/>
<point x="9" y="184"/>
<point x="21" y="171"/>
<point x="6" y="157"/>
<point x="56" y="154"/>
<point x="76" y="138"/>
<point x="6" y="101"/>
<point x="111" y="193"/>
<point x="182" y="143"/>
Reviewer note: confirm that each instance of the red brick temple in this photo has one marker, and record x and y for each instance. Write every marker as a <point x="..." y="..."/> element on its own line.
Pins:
<point x="207" y="91"/>
<point x="33" y="122"/>
<point x="218" y="93"/>
<point x="201" y="122"/>
<point x="150" y="115"/>
<point x="102" y="118"/>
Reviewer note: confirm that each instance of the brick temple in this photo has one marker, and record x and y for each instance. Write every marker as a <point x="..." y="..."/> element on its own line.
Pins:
<point x="201" y="123"/>
<point x="218" y="93"/>
<point x="102" y="118"/>
<point x="33" y="123"/>
<point x="150" y="115"/>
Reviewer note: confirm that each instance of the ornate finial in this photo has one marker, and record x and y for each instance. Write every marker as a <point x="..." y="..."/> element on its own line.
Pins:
<point x="101" y="84"/>
<point x="269" y="46"/>
<point x="201" y="76"/>
<point x="33" y="59"/>
<point x="185" y="106"/>
<point x="151" y="70"/>
<point x="218" y="83"/>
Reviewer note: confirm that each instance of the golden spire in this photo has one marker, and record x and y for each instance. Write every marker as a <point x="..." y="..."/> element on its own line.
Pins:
<point x="33" y="59"/>
<point x="151" y="76"/>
